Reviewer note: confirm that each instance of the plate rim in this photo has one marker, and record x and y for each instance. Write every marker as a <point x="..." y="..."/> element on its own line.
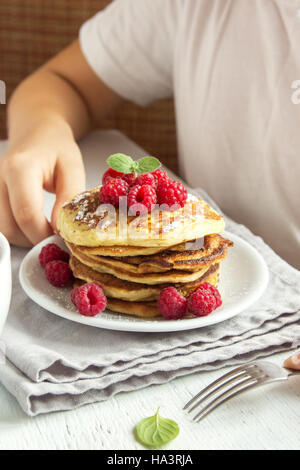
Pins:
<point x="152" y="326"/>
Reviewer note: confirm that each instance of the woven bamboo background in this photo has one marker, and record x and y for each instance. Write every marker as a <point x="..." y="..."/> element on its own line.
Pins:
<point x="32" y="31"/>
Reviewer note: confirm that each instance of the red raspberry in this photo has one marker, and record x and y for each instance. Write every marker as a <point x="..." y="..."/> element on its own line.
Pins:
<point x="112" y="190"/>
<point x="160" y="176"/>
<point x="51" y="252"/>
<point x="171" y="304"/>
<point x="146" y="178"/>
<point x="58" y="273"/>
<point x="129" y="178"/>
<point x="213" y="290"/>
<point x="141" y="198"/>
<point x="89" y="299"/>
<point x="171" y="192"/>
<point x="111" y="174"/>
<point x="201" y="302"/>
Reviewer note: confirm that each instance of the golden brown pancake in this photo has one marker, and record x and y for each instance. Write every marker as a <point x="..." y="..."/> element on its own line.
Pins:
<point x="214" y="250"/>
<point x="142" y="309"/>
<point x="135" y="251"/>
<point x="172" y="275"/>
<point x="131" y="291"/>
<point x="85" y="221"/>
<point x="119" y="251"/>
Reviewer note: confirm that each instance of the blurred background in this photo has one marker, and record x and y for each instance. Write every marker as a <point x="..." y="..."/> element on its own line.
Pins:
<point x="32" y="31"/>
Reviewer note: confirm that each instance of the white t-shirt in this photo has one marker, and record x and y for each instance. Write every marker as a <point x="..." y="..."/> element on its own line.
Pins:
<point x="233" y="68"/>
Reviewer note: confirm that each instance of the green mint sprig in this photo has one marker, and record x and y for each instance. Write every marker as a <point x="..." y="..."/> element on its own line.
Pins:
<point x="125" y="164"/>
<point x="156" y="431"/>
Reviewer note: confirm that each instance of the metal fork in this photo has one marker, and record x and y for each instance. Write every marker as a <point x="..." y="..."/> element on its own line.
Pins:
<point x="234" y="383"/>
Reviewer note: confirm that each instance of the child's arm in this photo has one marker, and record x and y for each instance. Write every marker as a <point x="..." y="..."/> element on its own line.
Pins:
<point x="57" y="104"/>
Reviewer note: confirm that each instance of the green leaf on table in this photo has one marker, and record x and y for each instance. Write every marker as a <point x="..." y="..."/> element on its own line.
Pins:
<point x="156" y="431"/>
<point x="121" y="162"/>
<point x="148" y="164"/>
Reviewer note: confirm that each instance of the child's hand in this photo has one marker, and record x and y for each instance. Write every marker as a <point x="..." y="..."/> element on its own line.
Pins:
<point x="293" y="362"/>
<point x="60" y="102"/>
<point x="47" y="159"/>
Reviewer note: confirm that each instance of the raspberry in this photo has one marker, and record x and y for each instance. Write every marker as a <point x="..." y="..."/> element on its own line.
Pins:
<point x="111" y="174"/>
<point x="89" y="299"/>
<point x="112" y="190"/>
<point x="129" y="178"/>
<point x="213" y="290"/>
<point x="51" y="252"/>
<point x="141" y="198"/>
<point x="171" y="192"/>
<point x="171" y="304"/>
<point x="58" y="273"/>
<point x="146" y="178"/>
<point x="201" y="302"/>
<point x="160" y="176"/>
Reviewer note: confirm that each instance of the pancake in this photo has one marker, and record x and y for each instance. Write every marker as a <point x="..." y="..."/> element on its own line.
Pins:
<point x="172" y="275"/>
<point x="131" y="291"/>
<point x="85" y="221"/>
<point x="132" y="251"/>
<point x="189" y="250"/>
<point x="120" y="251"/>
<point x="142" y="309"/>
<point x="214" y="250"/>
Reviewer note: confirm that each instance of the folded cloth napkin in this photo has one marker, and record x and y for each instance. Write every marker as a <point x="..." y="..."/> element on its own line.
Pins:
<point x="54" y="364"/>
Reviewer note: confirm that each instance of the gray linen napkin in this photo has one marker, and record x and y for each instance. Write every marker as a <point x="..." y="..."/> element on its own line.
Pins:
<point x="53" y="364"/>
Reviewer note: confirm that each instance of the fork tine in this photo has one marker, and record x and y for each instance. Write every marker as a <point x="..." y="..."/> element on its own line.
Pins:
<point x="237" y="390"/>
<point x="241" y="377"/>
<point x="228" y="375"/>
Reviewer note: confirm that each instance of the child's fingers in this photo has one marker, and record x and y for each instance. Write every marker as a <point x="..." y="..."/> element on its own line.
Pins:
<point x="8" y="224"/>
<point x="25" y="191"/>
<point x="293" y="362"/>
<point x="70" y="180"/>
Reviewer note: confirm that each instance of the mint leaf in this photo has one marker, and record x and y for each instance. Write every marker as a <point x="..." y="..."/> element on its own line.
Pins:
<point x="156" y="431"/>
<point x="121" y="162"/>
<point x="148" y="164"/>
<point x="125" y="164"/>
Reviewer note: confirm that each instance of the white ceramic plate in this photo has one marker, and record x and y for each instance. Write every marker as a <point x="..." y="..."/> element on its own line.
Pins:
<point x="243" y="279"/>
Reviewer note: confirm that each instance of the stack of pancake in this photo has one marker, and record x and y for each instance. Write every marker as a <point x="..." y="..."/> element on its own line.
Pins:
<point x="134" y="258"/>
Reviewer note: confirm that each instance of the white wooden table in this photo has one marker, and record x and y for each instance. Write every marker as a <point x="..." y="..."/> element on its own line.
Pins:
<point x="267" y="418"/>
